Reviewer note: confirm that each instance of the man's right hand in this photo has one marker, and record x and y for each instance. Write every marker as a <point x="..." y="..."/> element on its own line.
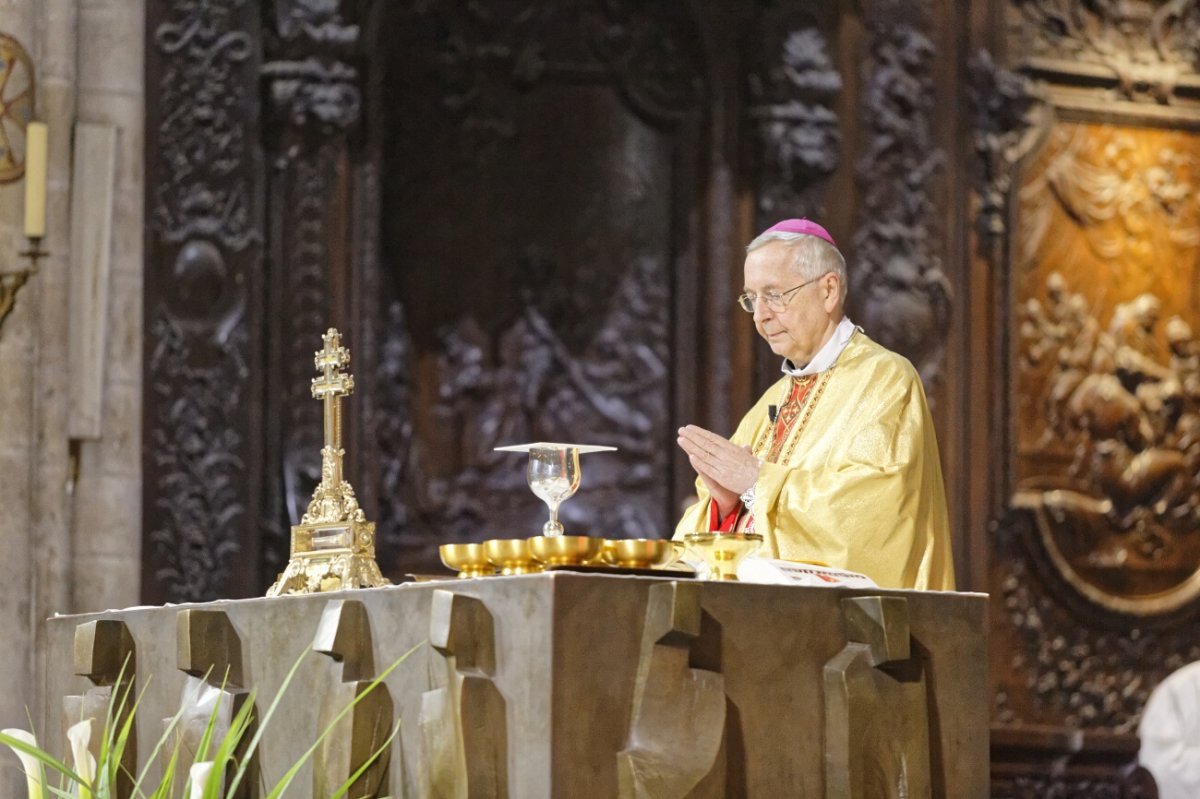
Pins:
<point x="712" y="455"/>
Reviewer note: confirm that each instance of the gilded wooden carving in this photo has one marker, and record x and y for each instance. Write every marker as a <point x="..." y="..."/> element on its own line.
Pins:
<point x="1108" y="375"/>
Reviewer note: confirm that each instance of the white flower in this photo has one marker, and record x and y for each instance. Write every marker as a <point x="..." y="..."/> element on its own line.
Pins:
<point x="200" y="775"/>
<point x="34" y="777"/>
<point x="80" y="735"/>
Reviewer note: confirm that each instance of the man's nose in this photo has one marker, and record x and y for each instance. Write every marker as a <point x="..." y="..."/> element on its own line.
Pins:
<point x="761" y="310"/>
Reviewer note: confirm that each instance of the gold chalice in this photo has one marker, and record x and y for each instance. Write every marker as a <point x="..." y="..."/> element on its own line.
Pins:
<point x="469" y="560"/>
<point x="511" y="555"/>
<point x="638" y="553"/>
<point x="723" y="552"/>
<point x="564" y="550"/>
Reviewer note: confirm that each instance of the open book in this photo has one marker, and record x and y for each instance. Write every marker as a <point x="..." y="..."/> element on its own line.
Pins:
<point x="790" y="572"/>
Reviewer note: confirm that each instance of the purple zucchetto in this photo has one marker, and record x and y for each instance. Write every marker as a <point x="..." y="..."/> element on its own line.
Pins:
<point x="801" y="226"/>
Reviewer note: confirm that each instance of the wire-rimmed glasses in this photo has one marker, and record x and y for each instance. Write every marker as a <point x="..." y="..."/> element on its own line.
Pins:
<point x="776" y="301"/>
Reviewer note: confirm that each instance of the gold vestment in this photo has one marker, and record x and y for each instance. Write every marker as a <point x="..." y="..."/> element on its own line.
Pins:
<point x="858" y="484"/>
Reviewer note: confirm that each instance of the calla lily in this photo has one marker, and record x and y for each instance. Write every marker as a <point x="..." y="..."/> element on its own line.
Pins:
<point x="200" y="773"/>
<point x="35" y="778"/>
<point x="80" y="735"/>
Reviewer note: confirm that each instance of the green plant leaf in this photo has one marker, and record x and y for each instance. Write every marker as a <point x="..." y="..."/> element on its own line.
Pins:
<point x="370" y="761"/>
<point x="283" y="784"/>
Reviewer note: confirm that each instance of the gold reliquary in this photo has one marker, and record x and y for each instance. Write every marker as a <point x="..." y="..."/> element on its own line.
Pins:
<point x="333" y="547"/>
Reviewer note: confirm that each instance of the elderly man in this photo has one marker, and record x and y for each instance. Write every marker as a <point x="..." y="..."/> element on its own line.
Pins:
<point x="837" y="463"/>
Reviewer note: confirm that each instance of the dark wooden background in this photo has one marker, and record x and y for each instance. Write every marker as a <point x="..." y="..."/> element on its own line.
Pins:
<point x="527" y="219"/>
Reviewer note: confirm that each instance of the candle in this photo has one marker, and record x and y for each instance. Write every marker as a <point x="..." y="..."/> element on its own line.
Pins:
<point x="35" y="180"/>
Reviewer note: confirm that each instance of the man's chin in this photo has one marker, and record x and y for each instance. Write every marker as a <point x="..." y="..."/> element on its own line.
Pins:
<point x="779" y="345"/>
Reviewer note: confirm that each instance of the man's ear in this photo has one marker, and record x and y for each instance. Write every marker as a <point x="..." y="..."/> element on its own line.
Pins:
<point x="832" y="288"/>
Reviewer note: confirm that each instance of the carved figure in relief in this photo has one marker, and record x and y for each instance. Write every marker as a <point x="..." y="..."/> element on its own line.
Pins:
<point x="1127" y="410"/>
<point x="534" y="385"/>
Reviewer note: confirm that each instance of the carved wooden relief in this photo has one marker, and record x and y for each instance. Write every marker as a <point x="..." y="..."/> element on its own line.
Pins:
<point x="794" y="91"/>
<point x="203" y="239"/>
<point x="898" y="290"/>
<point x="794" y="87"/>
<point x="1147" y="51"/>
<point x="1088" y="161"/>
<point x="1108" y="371"/>
<point x="1096" y="568"/>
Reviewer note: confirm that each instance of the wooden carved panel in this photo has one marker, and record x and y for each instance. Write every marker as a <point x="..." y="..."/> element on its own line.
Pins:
<point x="898" y="289"/>
<point x="1108" y="372"/>
<point x="1146" y="50"/>
<point x="202" y="299"/>
<point x="1095" y="567"/>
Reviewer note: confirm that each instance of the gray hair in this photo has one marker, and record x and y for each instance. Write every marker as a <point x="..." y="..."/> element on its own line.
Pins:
<point x="812" y="256"/>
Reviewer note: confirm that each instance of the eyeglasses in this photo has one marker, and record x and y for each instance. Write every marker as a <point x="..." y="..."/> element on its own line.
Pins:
<point x="775" y="301"/>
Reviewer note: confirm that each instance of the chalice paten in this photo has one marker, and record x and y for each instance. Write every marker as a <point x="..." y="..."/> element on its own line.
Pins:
<point x="723" y="552"/>
<point x="553" y="474"/>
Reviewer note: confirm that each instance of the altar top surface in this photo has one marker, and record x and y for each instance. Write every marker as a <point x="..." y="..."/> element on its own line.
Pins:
<point x="450" y="582"/>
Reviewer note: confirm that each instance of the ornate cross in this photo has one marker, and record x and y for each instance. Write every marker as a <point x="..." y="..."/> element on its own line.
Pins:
<point x="330" y="387"/>
<point x="333" y="547"/>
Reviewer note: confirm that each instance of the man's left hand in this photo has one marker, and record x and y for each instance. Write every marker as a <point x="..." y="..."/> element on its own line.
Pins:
<point x="732" y="466"/>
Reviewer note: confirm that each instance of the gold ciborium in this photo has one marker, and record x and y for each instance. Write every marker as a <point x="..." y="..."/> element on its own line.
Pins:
<point x="511" y="555"/>
<point x="723" y="552"/>
<point x="469" y="560"/>
<point x="564" y="550"/>
<point x="638" y="553"/>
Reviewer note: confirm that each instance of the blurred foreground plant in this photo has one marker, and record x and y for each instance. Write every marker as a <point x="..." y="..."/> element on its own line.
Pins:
<point x="89" y="777"/>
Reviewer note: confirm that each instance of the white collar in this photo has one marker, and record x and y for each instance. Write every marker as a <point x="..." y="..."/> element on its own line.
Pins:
<point x="827" y="356"/>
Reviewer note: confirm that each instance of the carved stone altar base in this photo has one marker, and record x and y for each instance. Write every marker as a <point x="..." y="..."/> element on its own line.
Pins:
<point x="565" y="684"/>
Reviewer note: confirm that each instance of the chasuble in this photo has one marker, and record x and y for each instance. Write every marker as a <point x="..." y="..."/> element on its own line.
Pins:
<point x="850" y="475"/>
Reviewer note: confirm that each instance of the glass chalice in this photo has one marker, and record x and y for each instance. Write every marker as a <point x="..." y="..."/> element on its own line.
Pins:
<point x="553" y="476"/>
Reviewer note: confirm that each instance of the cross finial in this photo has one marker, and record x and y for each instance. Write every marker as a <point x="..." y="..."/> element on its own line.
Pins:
<point x="333" y="384"/>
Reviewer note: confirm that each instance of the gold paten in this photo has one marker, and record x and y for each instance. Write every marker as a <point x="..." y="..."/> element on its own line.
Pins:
<point x="564" y="550"/>
<point x="723" y="552"/>
<point x="333" y="547"/>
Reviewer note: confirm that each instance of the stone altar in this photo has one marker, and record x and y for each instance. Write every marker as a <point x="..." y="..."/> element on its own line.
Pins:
<point x="571" y="684"/>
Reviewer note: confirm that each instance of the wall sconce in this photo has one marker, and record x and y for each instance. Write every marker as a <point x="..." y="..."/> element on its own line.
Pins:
<point x="36" y="158"/>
